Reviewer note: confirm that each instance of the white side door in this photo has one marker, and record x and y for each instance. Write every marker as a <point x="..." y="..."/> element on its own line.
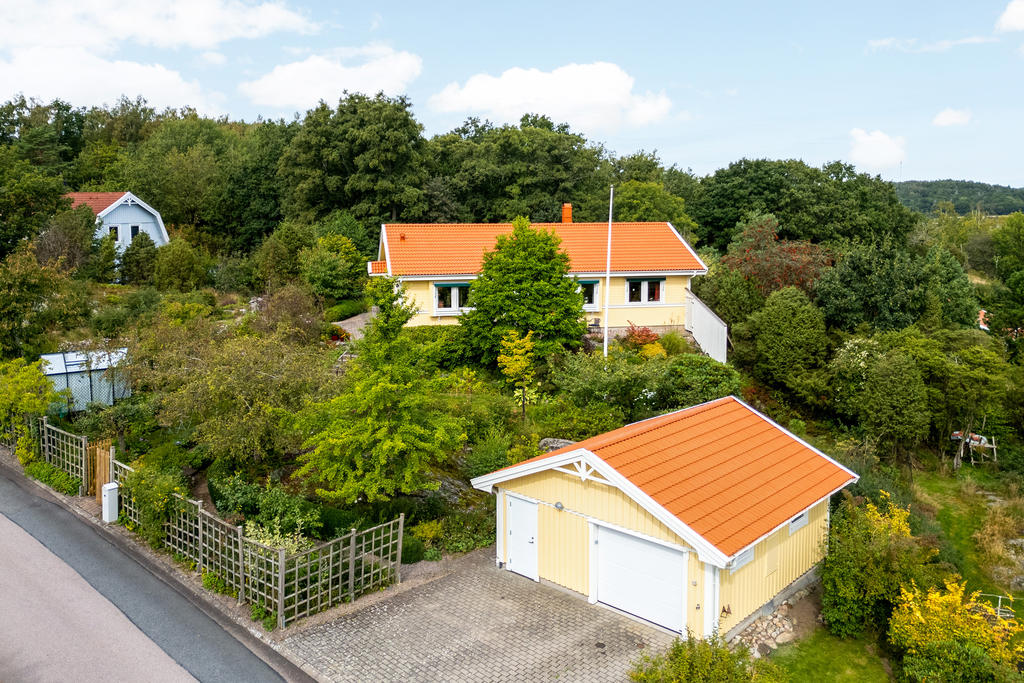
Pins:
<point x="643" y="578"/>
<point x="522" y="537"/>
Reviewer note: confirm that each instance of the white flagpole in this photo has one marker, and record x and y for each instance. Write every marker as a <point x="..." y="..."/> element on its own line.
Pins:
<point x="608" y="269"/>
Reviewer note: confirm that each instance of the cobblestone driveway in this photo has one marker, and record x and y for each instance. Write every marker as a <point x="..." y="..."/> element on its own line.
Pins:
<point x="479" y="623"/>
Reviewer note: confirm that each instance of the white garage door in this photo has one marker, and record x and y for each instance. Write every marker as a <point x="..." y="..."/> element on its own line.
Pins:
<point x="643" y="578"/>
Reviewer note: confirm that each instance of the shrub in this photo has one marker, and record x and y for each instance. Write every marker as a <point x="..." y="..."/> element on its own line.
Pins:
<point x="653" y="350"/>
<point x="675" y="344"/>
<point x="138" y="261"/>
<point x="467" y="530"/>
<point x="638" y="337"/>
<point x="699" y="660"/>
<point x="345" y="309"/>
<point x="260" y="613"/>
<point x="490" y="454"/>
<point x="153" y="492"/>
<point x="940" y="631"/>
<point x="871" y="554"/>
<point x="109" y="321"/>
<point x="56" y="479"/>
<point x="441" y="346"/>
<point x="180" y="266"/>
<point x="432" y="555"/>
<point x="234" y="274"/>
<point x="561" y="419"/>
<point x="950" y="660"/>
<point x="212" y="581"/>
<point x="694" y="379"/>
<point x="413" y="549"/>
<point x="273" y="536"/>
<point x="428" y="532"/>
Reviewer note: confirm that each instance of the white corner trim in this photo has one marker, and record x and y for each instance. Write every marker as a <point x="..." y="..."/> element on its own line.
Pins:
<point x="499" y="531"/>
<point x="592" y="557"/>
<point x="710" y="602"/>
<point x="387" y="250"/>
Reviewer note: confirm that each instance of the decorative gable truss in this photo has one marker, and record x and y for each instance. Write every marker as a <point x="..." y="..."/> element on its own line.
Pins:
<point x="584" y="470"/>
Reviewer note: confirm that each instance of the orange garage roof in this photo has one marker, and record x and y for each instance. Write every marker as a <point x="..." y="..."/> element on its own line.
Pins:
<point x="458" y="248"/>
<point x="723" y="469"/>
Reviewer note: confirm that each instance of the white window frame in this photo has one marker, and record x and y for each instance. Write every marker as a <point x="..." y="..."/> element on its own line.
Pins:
<point x="742" y="560"/>
<point x="136" y="229"/>
<point x="798" y="522"/>
<point x="597" y="295"/>
<point x="114" y="230"/>
<point x="459" y="290"/>
<point x="644" y="283"/>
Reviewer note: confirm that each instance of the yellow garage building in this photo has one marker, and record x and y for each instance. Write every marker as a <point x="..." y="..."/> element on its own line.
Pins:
<point x="694" y="520"/>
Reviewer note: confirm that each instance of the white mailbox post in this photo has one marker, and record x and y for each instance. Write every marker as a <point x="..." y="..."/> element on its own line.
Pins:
<point x="110" y="502"/>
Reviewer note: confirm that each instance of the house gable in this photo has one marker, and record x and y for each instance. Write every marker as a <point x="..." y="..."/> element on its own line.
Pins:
<point x="719" y="475"/>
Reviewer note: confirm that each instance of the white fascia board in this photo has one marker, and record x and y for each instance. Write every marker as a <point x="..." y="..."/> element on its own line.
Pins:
<point x="773" y="423"/>
<point x="705" y="550"/>
<point x="486" y="482"/>
<point x="384" y="242"/>
<point x="805" y="510"/>
<point x="688" y="247"/>
<point x="438" y="278"/>
<point x="114" y="204"/>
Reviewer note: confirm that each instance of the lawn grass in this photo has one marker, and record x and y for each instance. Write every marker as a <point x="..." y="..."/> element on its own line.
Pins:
<point x="960" y="515"/>
<point x="823" y="657"/>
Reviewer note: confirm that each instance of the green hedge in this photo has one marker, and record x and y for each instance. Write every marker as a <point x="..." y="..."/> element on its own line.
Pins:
<point x="56" y="479"/>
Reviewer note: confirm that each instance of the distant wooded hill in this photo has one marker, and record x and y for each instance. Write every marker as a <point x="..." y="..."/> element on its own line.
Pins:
<point x="966" y="195"/>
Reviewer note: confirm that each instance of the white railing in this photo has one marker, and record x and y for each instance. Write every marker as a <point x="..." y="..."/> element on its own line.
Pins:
<point x="708" y="330"/>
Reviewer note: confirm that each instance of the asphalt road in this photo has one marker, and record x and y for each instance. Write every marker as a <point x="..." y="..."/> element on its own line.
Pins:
<point x="185" y="637"/>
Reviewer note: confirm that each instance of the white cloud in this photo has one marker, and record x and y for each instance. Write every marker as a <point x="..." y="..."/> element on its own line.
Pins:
<point x="1012" y="18"/>
<point x="952" y="117"/>
<point x="213" y="58"/>
<point x="324" y="76"/>
<point x="876" y="150"/>
<point x="85" y="79"/>
<point x="596" y="96"/>
<point x="70" y="48"/>
<point x="103" y="24"/>
<point x="914" y="45"/>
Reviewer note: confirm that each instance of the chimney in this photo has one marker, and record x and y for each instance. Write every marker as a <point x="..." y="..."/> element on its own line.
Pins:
<point x="567" y="213"/>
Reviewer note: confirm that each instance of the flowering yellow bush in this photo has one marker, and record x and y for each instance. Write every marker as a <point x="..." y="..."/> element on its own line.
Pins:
<point x="923" y="618"/>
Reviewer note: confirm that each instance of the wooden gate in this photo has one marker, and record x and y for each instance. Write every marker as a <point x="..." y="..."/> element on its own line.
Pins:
<point x="99" y="466"/>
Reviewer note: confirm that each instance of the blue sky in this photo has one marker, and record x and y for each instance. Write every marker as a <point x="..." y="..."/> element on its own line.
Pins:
<point x="906" y="89"/>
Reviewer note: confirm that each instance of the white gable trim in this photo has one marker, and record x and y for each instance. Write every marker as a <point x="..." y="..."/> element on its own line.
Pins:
<point x="793" y="436"/>
<point x="705" y="550"/>
<point x="133" y="199"/>
<point x="688" y="247"/>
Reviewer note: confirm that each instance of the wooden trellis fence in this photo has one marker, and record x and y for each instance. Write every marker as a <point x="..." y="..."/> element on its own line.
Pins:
<point x="292" y="585"/>
<point x="65" y="451"/>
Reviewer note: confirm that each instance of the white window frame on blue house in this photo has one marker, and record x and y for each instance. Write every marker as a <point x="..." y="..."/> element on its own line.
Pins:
<point x="458" y="297"/>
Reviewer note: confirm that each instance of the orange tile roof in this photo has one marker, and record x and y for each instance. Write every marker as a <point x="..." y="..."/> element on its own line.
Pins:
<point x="721" y="468"/>
<point x="377" y="267"/>
<point x="97" y="201"/>
<point x="458" y="248"/>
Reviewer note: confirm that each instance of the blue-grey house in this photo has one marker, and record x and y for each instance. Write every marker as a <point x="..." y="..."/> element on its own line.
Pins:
<point x="122" y="215"/>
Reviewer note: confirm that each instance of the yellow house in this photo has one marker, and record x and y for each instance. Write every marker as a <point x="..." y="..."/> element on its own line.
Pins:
<point x="696" y="520"/>
<point x="649" y="284"/>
